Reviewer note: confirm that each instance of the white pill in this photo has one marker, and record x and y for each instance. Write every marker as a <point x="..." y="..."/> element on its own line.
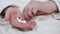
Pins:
<point x="20" y="20"/>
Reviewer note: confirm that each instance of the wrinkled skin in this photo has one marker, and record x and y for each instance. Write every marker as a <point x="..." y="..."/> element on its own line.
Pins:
<point x="33" y="8"/>
<point x="37" y="8"/>
<point x="11" y="16"/>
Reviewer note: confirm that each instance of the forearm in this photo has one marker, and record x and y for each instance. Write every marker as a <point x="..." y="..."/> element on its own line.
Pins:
<point x="50" y="6"/>
<point x="53" y="5"/>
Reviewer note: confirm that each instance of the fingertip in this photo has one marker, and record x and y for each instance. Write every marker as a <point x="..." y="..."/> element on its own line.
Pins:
<point x="34" y="11"/>
<point x="6" y="19"/>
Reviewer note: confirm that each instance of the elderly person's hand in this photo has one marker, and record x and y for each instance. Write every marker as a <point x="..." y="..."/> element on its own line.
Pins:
<point x="11" y="15"/>
<point x="37" y="8"/>
<point x="20" y="24"/>
<point x="23" y="26"/>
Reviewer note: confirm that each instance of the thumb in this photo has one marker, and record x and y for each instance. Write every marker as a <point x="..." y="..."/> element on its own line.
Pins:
<point x="7" y="15"/>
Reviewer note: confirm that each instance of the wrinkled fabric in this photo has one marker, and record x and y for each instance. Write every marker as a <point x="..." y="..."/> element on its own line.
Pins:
<point x="46" y="24"/>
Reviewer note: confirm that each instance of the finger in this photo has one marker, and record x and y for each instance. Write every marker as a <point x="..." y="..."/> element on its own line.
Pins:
<point x="34" y="11"/>
<point x="16" y="14"/>
<point x="7" y="15"/>
<point x="26" y="14"/>
<point x="20" y="14"/>
<point x="30" y="13"/>
<point x="32" y="24"/>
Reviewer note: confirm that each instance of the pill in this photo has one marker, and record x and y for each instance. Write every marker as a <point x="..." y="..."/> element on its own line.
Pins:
<point x="20" y="20"/>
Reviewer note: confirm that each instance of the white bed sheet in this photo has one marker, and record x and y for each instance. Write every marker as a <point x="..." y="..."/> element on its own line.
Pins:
<point x="46" y="25"/>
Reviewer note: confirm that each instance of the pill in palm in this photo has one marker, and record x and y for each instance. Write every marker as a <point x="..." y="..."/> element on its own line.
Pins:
<point x="20" y="20"/>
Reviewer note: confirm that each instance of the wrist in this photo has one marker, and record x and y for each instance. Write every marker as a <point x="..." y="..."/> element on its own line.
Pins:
<point x="54" y="6"/>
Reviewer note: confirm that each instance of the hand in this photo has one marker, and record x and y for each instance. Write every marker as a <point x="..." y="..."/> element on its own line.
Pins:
<point x="12" y="14"/>
<point x="15" y="23"/>
<point x="27" y="26"/>
<point x="36" y="8"/>
<point x="24" y="26"/>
